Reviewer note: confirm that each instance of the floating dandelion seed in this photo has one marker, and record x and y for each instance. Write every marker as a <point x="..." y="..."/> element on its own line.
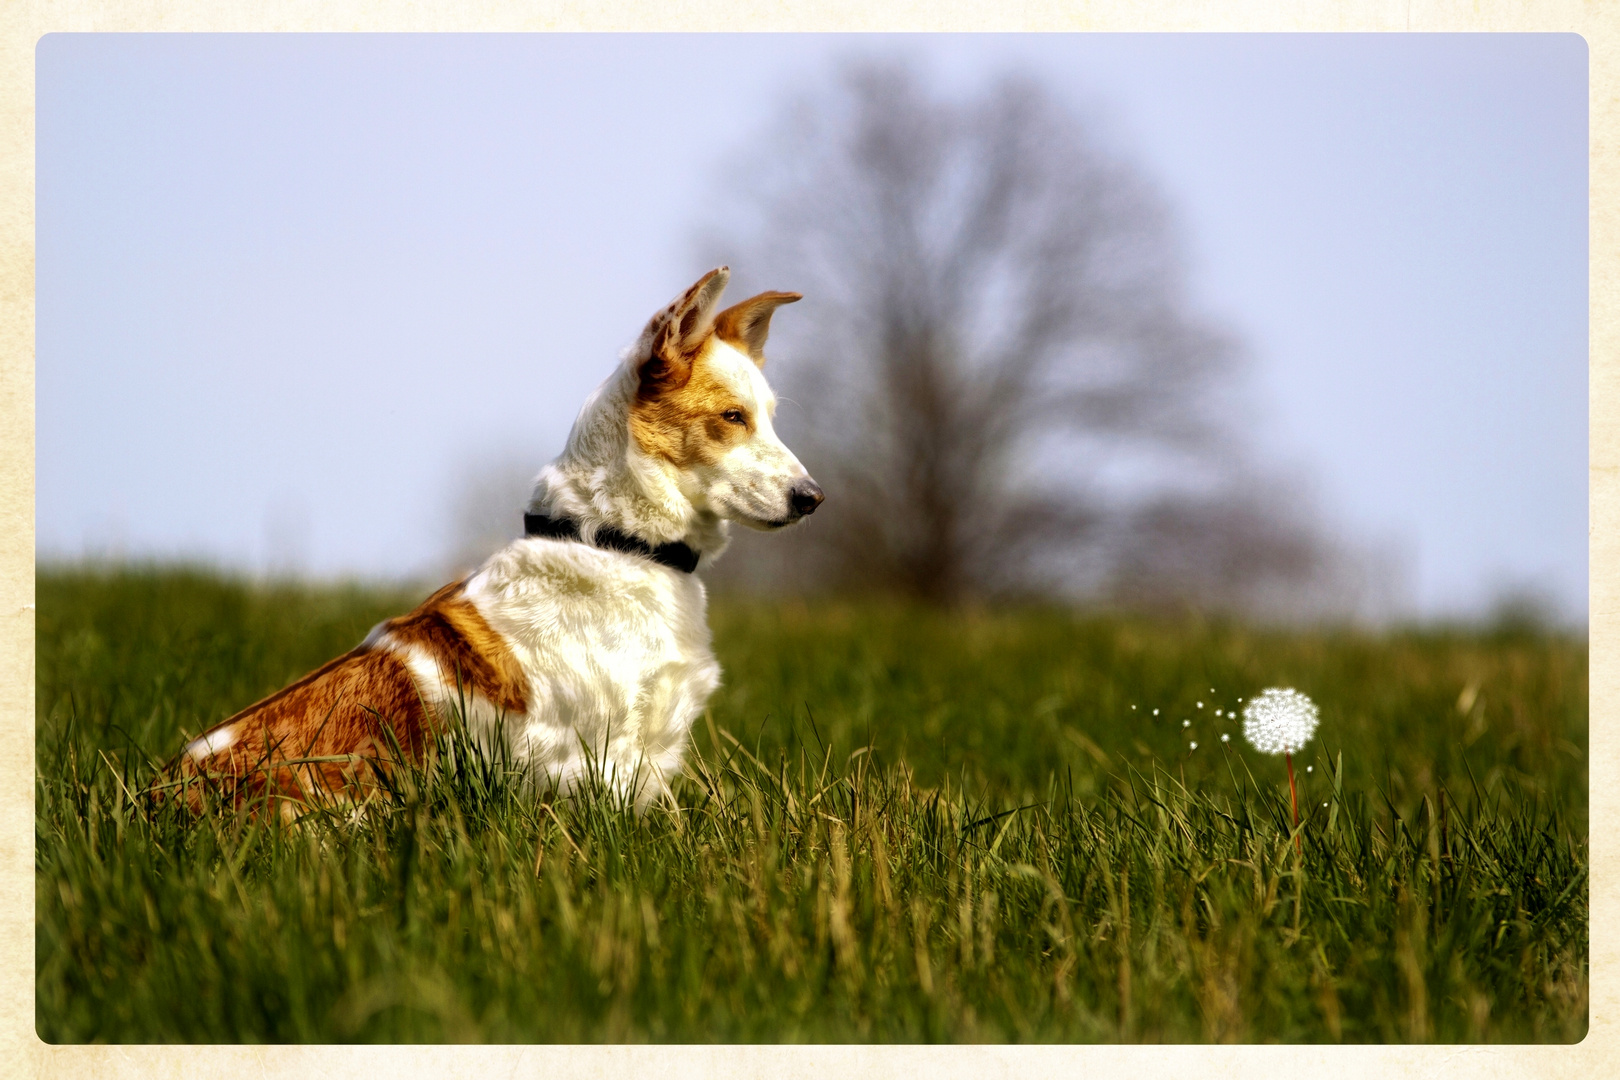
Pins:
<point x="1200" y="704"/>
<point x="1192" y="745"/>
<point x="1280" y="722"/>
<point x="1310" y="768"/>
<point x="1133" y="708"/>
<point x="1226" y="738"/>
<point x="1155" y="712"/>
<point x="1186" y="723"/>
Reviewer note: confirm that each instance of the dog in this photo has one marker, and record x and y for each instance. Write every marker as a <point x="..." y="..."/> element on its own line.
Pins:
<point x="581" y="650"/>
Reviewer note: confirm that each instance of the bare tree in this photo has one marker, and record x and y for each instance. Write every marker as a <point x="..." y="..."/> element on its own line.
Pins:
<point x="1002" y="386"/>
<point x="1252" y="547"/>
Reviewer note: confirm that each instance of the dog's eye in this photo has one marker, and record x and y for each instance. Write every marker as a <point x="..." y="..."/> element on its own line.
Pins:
<point x="734" y="416"/>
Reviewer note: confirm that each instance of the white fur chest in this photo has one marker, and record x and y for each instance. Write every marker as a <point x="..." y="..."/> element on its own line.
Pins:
<point x="616" y="651"/>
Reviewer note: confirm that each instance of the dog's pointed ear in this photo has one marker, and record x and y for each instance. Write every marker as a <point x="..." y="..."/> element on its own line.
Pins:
<point x="746" y="325"/>
<point x="676" y="333"/>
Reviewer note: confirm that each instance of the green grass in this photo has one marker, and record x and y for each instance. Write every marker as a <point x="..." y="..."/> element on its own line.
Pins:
<point x="899" y="825"/>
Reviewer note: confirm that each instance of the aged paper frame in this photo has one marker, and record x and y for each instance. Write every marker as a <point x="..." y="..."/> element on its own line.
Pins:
<point x="21" y="26"/>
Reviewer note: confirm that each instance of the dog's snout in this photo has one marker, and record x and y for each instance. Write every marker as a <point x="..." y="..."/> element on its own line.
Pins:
<point x="806" y="496"/>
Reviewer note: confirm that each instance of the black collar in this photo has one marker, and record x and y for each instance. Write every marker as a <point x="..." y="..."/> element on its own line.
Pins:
<point x="678" y="556"/>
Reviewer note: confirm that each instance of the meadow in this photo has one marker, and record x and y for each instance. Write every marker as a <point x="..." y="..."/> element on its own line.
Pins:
<point x="898" y="824"/>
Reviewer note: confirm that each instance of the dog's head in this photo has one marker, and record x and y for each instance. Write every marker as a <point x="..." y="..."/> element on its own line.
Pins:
<point x="702" y="406"/>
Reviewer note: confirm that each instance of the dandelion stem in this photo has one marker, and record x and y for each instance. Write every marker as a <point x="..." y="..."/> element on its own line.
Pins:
<point x="1293" y="798"/>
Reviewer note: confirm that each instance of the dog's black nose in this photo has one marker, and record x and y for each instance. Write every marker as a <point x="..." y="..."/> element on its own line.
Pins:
<point x="805" y="497"/>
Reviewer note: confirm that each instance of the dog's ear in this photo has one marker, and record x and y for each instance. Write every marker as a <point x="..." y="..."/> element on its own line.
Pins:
<point x="747" y="324"/>
<point x="675" y="334"/>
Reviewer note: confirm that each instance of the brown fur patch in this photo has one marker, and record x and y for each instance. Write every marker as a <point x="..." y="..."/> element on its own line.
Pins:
<point x="335" y="732"/>
<point x="362" y="709"/>
<point x="449" y="627"/>
<point x="683" y="421"/>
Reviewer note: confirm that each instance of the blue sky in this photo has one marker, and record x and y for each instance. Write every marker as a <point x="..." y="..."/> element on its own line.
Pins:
<point x="293" y="290"/>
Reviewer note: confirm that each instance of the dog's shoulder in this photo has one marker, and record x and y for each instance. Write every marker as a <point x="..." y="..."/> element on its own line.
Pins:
<point x="541" y="571"/>
<point x="542" y="594"/>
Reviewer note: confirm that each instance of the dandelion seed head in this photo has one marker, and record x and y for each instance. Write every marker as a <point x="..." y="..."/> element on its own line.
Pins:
<point x="1279" y="721"/>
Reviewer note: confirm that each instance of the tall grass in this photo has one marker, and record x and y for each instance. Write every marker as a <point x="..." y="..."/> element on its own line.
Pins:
<point x="898" y="825"/>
